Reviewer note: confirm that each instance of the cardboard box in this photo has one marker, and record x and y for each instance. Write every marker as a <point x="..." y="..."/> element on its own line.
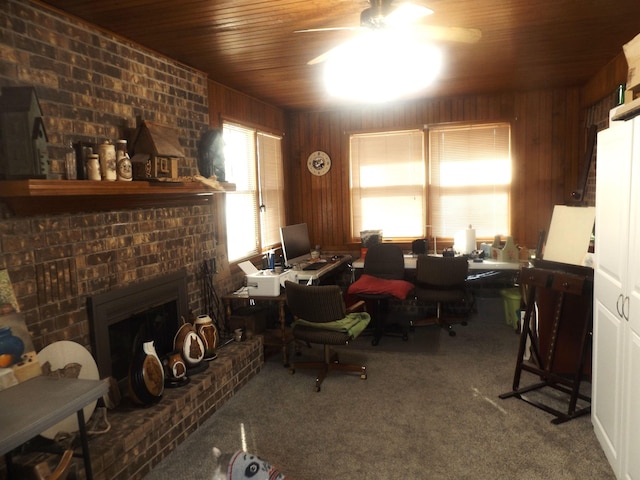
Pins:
<point x="632" y="54"/>
<point x="250" y="318"/>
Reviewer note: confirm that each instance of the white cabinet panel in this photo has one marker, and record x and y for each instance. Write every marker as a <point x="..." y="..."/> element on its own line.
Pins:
<point x="606" y="403"/>
<point x="631" y="410"/>
<point x="631" y="313"/>
<point x="613" y="183"/>
<point x="616" y="343"/>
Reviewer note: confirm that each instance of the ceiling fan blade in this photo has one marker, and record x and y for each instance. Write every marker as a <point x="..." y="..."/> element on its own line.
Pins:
<point x="450" y="34"/>
<point x="328" y="29"/>
<point x="324" y="57"/>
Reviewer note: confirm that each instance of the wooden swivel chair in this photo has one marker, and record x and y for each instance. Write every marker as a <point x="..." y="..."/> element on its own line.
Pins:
<point x="382" y="279"/>
<point x="320" y="317"/>
<point x="442" y="281"/>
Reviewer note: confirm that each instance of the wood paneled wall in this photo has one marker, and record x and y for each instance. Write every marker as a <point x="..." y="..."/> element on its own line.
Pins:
<point x="547" y="136"/>
<point x="606" y="80"/>
<point x="226" y="103"/>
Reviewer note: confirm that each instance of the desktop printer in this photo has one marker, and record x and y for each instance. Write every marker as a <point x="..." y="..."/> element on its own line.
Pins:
<point x="263" y="283"/>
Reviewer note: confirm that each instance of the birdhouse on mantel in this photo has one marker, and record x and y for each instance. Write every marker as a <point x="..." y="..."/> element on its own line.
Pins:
<point x="156" y="151"/>
<point x="23" y="139"/>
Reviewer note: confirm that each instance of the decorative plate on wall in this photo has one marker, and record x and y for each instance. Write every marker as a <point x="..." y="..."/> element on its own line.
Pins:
<point x="319" y="163"/>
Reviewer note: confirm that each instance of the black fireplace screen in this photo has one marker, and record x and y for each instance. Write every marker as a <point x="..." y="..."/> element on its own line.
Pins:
<point x="150" y="310"/>
<point x="158" y="324"/>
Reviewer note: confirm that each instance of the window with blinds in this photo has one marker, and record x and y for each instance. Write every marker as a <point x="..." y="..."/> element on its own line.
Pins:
<point x="388" y="183"/>
<point x="271" y="189"/>
<point x="464" y="180"/>
<point x="470" y="179"/>
<point x="255" y="210"/>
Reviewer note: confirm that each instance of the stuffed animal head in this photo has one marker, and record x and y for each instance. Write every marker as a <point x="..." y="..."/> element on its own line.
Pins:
<point x="242" y="465"/>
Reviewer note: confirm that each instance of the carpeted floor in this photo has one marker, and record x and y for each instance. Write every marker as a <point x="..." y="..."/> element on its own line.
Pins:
<point x="428" y="410"/>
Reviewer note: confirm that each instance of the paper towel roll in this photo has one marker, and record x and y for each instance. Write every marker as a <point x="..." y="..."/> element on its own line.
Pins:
<point x="465" y="241"/>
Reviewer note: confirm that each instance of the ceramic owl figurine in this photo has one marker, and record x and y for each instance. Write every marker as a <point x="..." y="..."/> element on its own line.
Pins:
<point x="242" y="465"/>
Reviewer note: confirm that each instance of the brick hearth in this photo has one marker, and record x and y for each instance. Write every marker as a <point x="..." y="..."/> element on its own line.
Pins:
<point x="141" y="437"/>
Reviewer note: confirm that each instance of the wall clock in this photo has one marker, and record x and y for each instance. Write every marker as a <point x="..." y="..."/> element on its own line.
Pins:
<point x="319" y="163"/>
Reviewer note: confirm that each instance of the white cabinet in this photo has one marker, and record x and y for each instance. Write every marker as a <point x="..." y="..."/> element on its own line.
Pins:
<point x="616" y="334"/>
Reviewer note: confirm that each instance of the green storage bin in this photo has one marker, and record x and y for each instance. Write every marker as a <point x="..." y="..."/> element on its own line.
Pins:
<point x="511" y="299"/>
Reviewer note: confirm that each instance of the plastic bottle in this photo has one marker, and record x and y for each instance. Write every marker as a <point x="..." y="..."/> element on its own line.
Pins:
<point x="70" y="170"/>
<point x="93" y="167"/>
<point x="272" y="260"/>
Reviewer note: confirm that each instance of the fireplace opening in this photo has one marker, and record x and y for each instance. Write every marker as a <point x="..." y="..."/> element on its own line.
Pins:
<point x="158" y="324"/>
<point x="123" y="317"/>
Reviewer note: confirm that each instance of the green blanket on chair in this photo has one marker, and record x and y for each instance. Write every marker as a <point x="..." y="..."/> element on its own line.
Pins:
<point x="353" y="323"/>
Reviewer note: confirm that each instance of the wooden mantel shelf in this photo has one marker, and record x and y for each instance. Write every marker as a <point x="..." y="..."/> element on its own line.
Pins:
<point x="41" y="197"/>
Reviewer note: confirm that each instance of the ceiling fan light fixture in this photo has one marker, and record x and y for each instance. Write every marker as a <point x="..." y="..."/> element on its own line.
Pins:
<point x="407" y="13"/>
<point x="381" y="66"/>
<point x="382" y="14"/>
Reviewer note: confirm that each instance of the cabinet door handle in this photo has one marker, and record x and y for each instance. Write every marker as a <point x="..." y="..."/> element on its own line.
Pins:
<point x="619" y="305"/>
<point x="625" y="311"/>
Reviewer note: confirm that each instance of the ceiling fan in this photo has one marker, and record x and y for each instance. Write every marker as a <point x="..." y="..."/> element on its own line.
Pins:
<point x="385" y="15"/>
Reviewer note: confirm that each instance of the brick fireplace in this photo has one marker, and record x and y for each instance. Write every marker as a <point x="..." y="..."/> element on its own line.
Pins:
<point x="151" y="310"/>
<point x="91" y="86"/>
<point x="57" y="262"/>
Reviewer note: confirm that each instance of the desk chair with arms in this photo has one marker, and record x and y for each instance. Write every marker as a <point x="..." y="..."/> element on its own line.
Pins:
<point x="382" y="279"/>
<point x="320" y="316"/>
<point x="442" y="281"/>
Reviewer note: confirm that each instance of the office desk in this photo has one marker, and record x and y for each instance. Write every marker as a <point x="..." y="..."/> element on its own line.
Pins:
<point x="497" y="273"/>
<point x="314" y="277"/>
<point x="282" y="301"/>
<point x="310" y="277"/>
<point x="410" y="262"/>
<point x="33" y="406"/>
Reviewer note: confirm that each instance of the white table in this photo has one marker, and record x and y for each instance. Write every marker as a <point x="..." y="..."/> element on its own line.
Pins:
<point x="410" y="262"/>
<point x="33" y="406"/>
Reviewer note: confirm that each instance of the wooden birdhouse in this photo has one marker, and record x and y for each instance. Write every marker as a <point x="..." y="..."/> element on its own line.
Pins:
<point x="23" y="139"/>
<point x="156" y="151"/>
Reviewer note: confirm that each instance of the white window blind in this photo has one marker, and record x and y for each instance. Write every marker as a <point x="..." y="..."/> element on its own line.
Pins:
<point x="388" y="183"/>
<point x="271" y="188"/>
<point x="253" y="161"/>
<point x="470" y="179"/>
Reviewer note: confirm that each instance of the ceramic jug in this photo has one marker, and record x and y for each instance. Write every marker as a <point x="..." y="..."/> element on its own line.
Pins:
<point x="207" y="331"/>
<point x="190" y="345"/>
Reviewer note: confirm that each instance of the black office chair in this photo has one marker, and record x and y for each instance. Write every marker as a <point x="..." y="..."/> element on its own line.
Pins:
<point x="321" y="317"/>
<point x="442" y="281"/>
<point x="383" y="279"/>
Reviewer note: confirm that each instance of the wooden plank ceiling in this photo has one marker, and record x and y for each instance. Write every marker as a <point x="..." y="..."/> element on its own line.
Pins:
<point x="250" y="45"/>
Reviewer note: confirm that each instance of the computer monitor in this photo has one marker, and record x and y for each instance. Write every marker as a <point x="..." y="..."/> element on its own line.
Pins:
<point x="296" y="246"/>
